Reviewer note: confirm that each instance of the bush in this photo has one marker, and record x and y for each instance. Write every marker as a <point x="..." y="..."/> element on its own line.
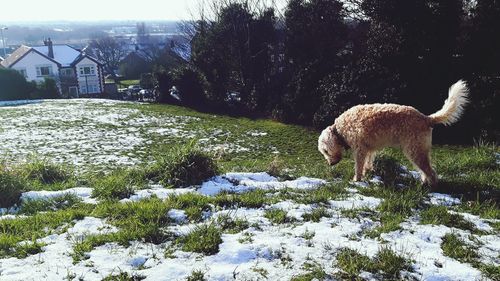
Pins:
<point x="184" y="166"/>
<point x="191" y="85"/>
<point x="11" y="188"/>
<point x="14" y="85"/>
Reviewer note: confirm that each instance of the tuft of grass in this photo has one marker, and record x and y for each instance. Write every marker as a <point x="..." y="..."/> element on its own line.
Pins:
<point x="183" y="166"/>
<point x="386" y="262"/>
<point x="440" y="215"/>
<point x="11" y="188"/>
<point x="454" y="247"/>
<point x="277" y="216"/>
<point x="231" y="225"/>
<point x="123" y="276"/>
<point x="44" y="171"/>
<point x="391" y="264"/>
<point x="203" y="239"/>
<point x="117" y="185"/>
<point x="196" y="275"/>
<point x="351" y="263"/>
<point x="316" y="214"/>
<point x="31" y="207"/>
<point x="314" y="272"/>
<point x="387" y="168"/>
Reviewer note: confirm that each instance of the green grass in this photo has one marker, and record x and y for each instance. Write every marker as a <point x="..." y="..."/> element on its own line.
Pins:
<point x="14" y="231"/>
<point x="277" y="216"/>
<point x="11" y="188"/>
<point x="203" y="239"/>
<point x="454" y="247"/>
<point x="316" y="214"/>
<point x="386" y="263"/>
<point x="441" y="215"/>
<point x="397" y="205"/>
<point x="31" y="207"/>
<point x="183" y="166"/>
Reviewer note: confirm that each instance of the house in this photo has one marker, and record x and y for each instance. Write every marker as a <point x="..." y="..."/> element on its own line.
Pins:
<point x="76" y="73"/>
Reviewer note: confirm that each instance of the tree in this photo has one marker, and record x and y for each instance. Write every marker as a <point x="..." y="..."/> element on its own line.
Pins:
<point x="233" y="51"/>
<point x="109" y="51"/>
<point x="315" y="35"/>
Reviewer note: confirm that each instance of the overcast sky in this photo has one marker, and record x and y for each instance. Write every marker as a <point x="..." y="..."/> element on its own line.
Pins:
<point x="91" y="10"/>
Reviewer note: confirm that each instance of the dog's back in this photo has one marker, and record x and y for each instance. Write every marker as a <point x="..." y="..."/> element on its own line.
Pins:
<point x="379" y="125"/>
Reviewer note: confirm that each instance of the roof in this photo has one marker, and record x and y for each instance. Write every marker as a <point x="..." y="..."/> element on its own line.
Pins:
<point x="15" y="56"/>
<point x="63" y="54"/>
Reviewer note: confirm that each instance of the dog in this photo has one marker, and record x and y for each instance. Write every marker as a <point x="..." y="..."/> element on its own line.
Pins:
<point x="368" y="128"/>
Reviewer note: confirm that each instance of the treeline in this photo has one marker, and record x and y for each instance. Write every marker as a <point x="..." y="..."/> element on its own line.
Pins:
<point x="13" y="86"/>
<point x="321" y="57"/>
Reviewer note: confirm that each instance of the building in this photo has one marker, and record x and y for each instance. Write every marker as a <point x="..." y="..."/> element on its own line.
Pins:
<point x="76" y="73"/>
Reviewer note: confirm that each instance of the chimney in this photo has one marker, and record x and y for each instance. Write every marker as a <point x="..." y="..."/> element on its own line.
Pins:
<point x="48" y="43"/>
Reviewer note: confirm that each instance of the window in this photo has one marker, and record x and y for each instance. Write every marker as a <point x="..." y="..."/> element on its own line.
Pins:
<point x="87" y="70"/>
<point x="83" y="89"/>
<point x="43" y="71"/>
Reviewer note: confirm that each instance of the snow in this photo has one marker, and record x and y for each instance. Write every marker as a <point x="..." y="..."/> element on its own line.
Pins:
<point x="99" y="133"/>
<point x="244" y="182"/>
<point x="278" y="250"/>
<point x="443" y="199"/>
<point x="83" y="193"/>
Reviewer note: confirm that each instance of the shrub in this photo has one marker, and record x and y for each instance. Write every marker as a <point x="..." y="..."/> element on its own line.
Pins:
<point x="191" y="85"/>
<point x="184" y="166"/>
<point x="11" y="188"/>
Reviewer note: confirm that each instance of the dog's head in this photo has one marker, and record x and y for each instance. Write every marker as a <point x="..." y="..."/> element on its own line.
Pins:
<point x="330" y="146"/>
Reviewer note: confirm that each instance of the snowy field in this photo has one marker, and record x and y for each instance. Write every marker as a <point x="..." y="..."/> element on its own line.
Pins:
<point x="263" y="251"/>
<point x="89" y="133"/>
<point x="92" y="132"/>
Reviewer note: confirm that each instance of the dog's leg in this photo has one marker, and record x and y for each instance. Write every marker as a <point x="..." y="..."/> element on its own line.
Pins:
<point x="420" y="156"/>
<point x="368" y="162"/>
<point x="360" y="159"/>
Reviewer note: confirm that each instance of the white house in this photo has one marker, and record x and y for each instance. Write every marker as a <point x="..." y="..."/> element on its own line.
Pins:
<point x="76" y="73"/>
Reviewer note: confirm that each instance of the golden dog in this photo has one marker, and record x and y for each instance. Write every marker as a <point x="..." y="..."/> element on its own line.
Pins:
<point x="368" y="128"/>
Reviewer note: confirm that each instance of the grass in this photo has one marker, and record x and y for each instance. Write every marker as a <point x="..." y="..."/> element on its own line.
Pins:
<point x="11" y="188"/>
<point x="316" y="214"/>
<point x="441" y="215"/>
<point x="386" y="263"/>
<point x="203" y="239"/>
<point x="277" y="216"/>
<point x="117" y="185"/>
<point x="14" y="231"/>
<point x="183" y="166"/>
<point x="31" y="207"/>
<point x="454" y="247"/>
<point x="470" y="173"/>
<point x="398" y="204"/>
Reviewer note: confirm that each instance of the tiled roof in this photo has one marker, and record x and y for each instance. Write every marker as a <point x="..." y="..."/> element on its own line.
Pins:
<point x="15" y="56"/>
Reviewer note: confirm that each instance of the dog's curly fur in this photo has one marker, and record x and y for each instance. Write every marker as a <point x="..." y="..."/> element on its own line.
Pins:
<point x="369" y="128"/>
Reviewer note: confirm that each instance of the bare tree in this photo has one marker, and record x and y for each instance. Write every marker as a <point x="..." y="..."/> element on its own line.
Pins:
<point x="109" y="51"/>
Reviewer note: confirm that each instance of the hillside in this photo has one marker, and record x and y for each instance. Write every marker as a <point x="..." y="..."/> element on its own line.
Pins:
<point x="127" y="191"/>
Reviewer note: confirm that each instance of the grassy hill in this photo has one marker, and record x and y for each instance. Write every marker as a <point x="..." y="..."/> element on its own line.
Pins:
<point x="143" y="191"/>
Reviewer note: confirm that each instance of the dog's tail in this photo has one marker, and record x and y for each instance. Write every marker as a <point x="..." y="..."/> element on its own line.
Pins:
<point x="453" y="106"/>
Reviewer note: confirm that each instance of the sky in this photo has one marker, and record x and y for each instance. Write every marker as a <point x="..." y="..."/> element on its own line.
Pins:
<point x="92" y="10"/>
